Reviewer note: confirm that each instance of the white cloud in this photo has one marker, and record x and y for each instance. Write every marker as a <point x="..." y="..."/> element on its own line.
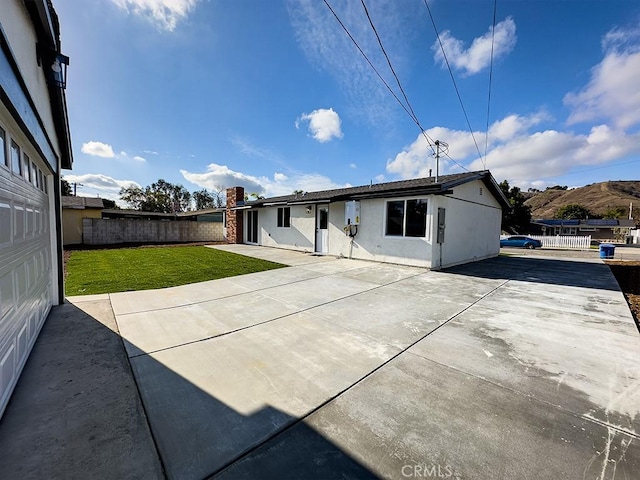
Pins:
<point x="353" y="165"/>
<point x="222" y="176"/>
<point x="140" y="159"/>
<point x="515" y="152"/>
<point x="98" y="149"/>
<point x="165" y="14"/>
<point x="150" y="152"/>
<point x="324" y="124"/>
<point x="478" y="56"/>
<point x="103" y="185"/>
<point x="612" y="92"/>
<point x="281" y="184"/>
<point x="328" y="48"/>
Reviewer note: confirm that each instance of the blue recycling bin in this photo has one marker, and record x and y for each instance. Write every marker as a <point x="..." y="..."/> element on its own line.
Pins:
<point x="607" y="250"/>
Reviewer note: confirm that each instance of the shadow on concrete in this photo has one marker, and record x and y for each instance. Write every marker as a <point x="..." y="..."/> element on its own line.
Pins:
<point x="77" y="413"/>
<point x="542" y="271"/>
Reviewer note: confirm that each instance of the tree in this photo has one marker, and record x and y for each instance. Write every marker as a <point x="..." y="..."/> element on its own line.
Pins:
<point x="161" y="196"/>
<point x="573" y="211"/>
<point x="616" y="212"/>
<point x="517" y="219"/>
<point x="557" y="187"/>
<point x="65" y="188"/>
<point x="109" y="203"/>
<point x="254" y="196"/>
<point x="203" y="199"/>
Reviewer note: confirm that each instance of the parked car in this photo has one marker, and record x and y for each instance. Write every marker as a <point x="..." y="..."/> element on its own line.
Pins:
<point x="520" y="241"/>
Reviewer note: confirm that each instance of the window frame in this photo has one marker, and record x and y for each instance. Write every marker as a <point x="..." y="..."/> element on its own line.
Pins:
<point x="6" y="163"/>
<point x="405" y="217"/>
<point x="26" y="167"/>
<point x="13" y="160"/>
<point x="283" y="217"/>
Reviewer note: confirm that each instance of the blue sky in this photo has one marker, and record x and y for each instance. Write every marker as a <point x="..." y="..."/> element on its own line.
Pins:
<point x="273" y="95"/>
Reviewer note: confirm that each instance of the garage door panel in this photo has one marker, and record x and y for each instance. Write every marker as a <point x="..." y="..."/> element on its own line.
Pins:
<point x="7" y="301"/>
<point x="5" y="221"/>
<point x="25" y="273"/>
<point x="7" y="371"/>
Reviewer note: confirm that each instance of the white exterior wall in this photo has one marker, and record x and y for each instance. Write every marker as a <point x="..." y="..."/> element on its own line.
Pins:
<point x="17" y="26"/>
<point x="371" y="243"/>
<point x="472" y="230"/>
<point x="299" y="236"/>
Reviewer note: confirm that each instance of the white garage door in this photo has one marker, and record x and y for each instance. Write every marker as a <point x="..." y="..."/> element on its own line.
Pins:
<point x="25" y="255"/>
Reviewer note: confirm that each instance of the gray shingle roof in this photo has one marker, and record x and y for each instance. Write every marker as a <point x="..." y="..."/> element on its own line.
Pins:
<point x="82" y="202"/>
<point x="416" y="186"/>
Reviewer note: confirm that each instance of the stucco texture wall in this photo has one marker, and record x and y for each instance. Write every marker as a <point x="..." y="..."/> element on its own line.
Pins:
<point x="472" y="230"/>
<point x="22" y="38"/>
<point x="72" y="223"/>
<point x="371" y="243"/>
<point x="299" y="236"/>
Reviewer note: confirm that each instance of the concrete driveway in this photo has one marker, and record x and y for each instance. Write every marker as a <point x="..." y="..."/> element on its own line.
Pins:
<point x="514" y="367"/>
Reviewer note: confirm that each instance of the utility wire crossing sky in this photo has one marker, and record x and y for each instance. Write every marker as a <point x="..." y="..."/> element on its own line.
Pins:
<point x="307" y="95"/>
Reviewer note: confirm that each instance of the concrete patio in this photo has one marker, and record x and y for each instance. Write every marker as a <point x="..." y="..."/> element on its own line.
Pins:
<point x="513" y="367"/>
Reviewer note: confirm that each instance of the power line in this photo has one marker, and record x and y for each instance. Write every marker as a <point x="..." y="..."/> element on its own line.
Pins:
<point x="409" y="111"/>
<point x="493" y="34"/>
<point x="384" y="52"/>
<point x="455" y="85"/>
<point x="411" y="115"/>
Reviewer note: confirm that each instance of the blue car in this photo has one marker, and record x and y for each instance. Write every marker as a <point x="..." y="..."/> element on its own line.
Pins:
<point x="520" y="241"/>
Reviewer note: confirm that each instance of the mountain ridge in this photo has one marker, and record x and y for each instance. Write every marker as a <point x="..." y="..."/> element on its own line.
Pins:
<point x="598" y="198"/>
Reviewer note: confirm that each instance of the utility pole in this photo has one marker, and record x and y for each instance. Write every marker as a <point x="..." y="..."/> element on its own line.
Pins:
<point x="437" y="142"/>
<point x="75" y="188"/>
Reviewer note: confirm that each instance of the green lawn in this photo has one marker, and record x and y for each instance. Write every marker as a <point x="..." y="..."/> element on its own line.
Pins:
<point x="124" y="269"/>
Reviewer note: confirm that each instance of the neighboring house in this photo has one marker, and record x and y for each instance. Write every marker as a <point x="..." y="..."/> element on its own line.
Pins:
<point x="74" y="209"/>
<point x="207" y="215"/>
<point x="35" y="145"/>
<point x="598" y="229"/>
<point x="420" y="222"/>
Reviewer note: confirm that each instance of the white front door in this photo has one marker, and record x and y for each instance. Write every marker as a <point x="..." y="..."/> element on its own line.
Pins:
<point x="322" y="229"/>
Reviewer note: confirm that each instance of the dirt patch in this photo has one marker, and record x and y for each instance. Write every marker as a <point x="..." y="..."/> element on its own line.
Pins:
<point x="628" y="276"/>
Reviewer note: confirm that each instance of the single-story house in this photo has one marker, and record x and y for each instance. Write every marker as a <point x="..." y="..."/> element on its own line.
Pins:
<point x="206" y="215"/>
<point x="35" y="145"/>
<point x="74" y="209"/>
<point x="423" y="222"/>
<point x="598" y="229"/>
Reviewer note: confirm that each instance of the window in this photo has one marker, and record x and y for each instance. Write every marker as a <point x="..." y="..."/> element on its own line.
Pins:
<point x="16" y="161"/>
<point x="34" y="175"/>
<point x="407" y="218"/>
<point x="284" y="217"/>
<point x="3" y="141"/>
<point x="40" y="180"/>
<point x="26" y="167"/>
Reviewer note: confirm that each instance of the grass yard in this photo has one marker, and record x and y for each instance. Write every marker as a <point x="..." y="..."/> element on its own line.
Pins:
<point x="124" y="269"/>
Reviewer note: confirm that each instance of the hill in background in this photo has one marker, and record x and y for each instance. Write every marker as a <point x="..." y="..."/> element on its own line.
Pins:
<point x="597" y="198"/>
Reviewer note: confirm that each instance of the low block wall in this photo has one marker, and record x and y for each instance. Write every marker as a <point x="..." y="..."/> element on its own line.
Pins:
<point x="99" y="231"/>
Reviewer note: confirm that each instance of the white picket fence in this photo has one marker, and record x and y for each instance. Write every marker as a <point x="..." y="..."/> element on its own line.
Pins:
<point x="568" y="242"/>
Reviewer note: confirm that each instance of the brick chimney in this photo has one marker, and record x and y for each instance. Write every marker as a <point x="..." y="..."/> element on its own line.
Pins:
<point x="235" y="197"/>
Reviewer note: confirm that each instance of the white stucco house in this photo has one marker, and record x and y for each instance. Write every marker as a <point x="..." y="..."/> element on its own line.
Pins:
<point x="420" y="222"/>
<point x="34" y="146"/>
